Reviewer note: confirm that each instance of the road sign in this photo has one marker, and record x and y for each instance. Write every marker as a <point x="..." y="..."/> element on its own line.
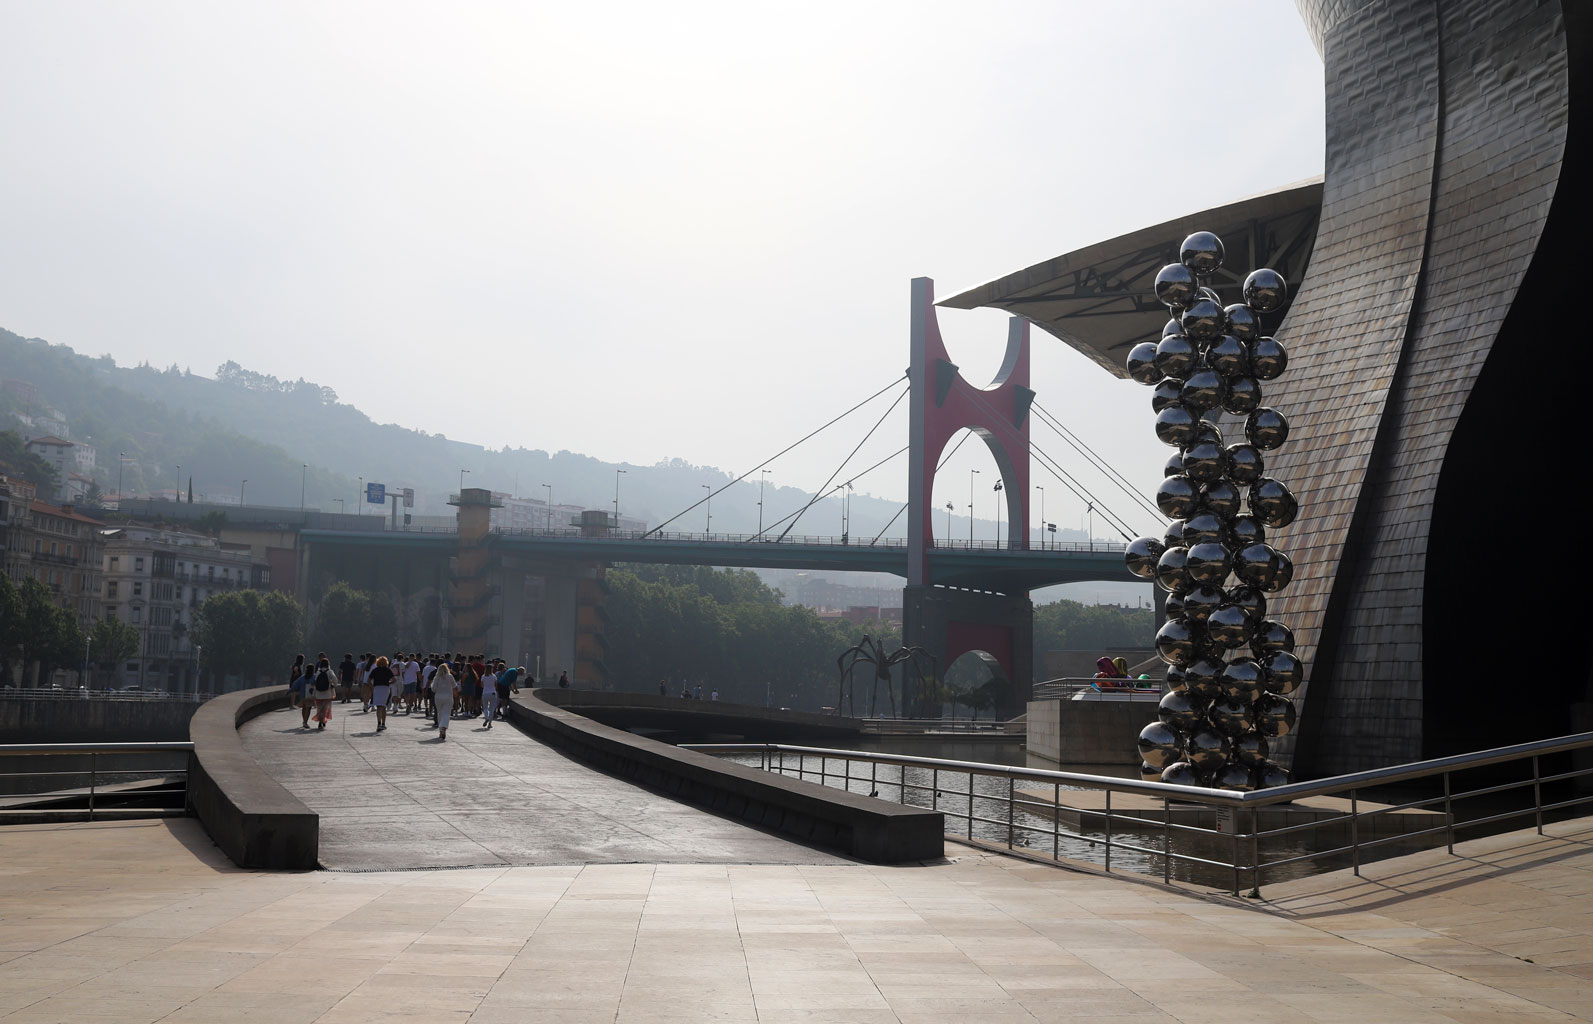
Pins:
<point x="409" y="497"/>
<point x="376" y="494"/>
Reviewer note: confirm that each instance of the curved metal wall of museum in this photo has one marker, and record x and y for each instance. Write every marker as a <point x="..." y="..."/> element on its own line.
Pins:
<point x="1436" y="602"/>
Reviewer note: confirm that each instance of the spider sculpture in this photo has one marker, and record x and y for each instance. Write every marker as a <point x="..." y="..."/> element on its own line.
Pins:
<point x="869" y="651"/>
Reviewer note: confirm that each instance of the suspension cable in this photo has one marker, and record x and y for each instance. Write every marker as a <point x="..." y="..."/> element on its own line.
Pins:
<point x="855" y="476"/>
<point x="776" y="455"/>
<point x="938" y="467"/>
<point x="821" y="491"/>
<point x="1095" y="459"/>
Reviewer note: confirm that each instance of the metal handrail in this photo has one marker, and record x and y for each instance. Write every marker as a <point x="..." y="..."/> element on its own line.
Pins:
<point x="1236" y="804"/>
<point x="77" y="693"/>
<point x="94" y="792"/>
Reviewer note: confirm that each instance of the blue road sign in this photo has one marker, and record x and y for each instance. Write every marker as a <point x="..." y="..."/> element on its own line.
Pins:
<point x="376" y="494"/>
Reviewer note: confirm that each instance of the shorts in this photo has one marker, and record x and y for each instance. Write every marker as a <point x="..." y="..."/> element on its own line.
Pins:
<point x="409" y="689"/>
<point x="381" y="694"/>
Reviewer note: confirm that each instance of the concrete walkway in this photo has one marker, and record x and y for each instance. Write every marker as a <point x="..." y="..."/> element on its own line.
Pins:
<point x="145" y="921"/>
<point x="402" y="799"/>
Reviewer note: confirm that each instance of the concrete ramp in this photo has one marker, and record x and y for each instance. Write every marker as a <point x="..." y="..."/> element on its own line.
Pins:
<point x="402" y="799"/>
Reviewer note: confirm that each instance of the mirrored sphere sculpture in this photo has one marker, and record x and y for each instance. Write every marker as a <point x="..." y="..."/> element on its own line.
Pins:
<point x="1178" y="497"/>
<point x="1265" y="428"/>
<point x="1268" y="359"/>
<point x="1175" y="284"/>
<point x="1201" y="253"/>
<point x="1175" y="643"/>
<point x="1244" y="396"/>
<point x="1160" y="745"/>
<point x="1142" y="363"/>
<point x="1265" y="290"/>
<point x="1175" y="425"/>
<point x="1206" y="749"/>
<point x="1167" y="391"/>
<point x="1204" y="320"/>
<point x="1242" y="322"/>
<point x="1229" y="627"/>
<point x="1227" y="355"/>
<point x="1180" y="711"/>
<point x="1182" y="774"/>
<point x="1233" y="776"/>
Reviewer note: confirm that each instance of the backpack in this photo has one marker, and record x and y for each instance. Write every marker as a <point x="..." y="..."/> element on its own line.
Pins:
<point x="323" y="680"/>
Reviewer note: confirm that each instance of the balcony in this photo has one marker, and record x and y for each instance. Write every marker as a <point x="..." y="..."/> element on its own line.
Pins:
<point x="45" y="556"/>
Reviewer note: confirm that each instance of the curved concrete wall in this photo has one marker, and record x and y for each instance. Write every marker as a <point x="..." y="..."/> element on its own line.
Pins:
<point x="869" y="829"/>
<point x="701" y="718"/>
<point x="254" y="820"/>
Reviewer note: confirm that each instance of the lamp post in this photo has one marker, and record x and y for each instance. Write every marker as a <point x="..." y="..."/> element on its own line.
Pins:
<point x="949" y="509"/>
<point x="617" y="474"/>
<point x="762" y="474"/>
<point x="846" y="513"/>
<point x="708" y="503"/>
<point x="240" y="492"/>
<point x="359" y="497"/>
<point x="1042" y="515"/>
<point x="304" y="474"/>
<point x="997" y="489"/>
<point x="462" y="473"/>
<point x="1092" y="526"/>
<point x="121" y="462"/>
<point x="971" y="474"/>
<point x="87" y="642"/>
<point x="549" y="489"/>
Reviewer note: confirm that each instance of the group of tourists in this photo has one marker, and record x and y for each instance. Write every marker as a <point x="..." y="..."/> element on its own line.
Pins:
<point x="440" y="686"/>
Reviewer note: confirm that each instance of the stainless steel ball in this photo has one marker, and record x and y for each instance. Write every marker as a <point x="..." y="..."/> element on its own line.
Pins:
<point x="1229" y="626"/>
<point x="1201" y="253"/>
<point x="1177" y="497"/>
<point x="1272" y="502"/>
<point x="1284" y="672"/>
<point x="1271" y="637"/>
<point x="1176" y="356"/>
<point x="1174" y="465"/>
<point x="1268" y="359"/>
<point x="1243" y="679"/>
<point x="1244" y="396"/>
<point x="1254" y="565"/>
<point x="1149" y="773"/>
<point x="1160" y="745"/>
<point x="1230" y="717"/>
<point x="1175" y="426"/>
<point x="1175" y="643"/>
<point x="1274" y="716"/>
<point x="1203" y="528"/>
<point x="1181" y="774"/>
<point x="1265" y="290"/>
<point x="1170" y="574"/>
<point x="1243" y="463"/>
<point x="1179" y="711"/>
<point x="1208" y="563"/>
<point x="1175" y="285"/>
<point x="1166" y="393"/>
<point x="1282" y="572"/>
<point x="1233" y="777"/>
<point x="1142" y="363"/>
<point x="1174" y="679"/>
<point x="1221" y="499"/>
<point x="1250" y="749"/>
<point x="1142" y="555"/>
<point x="1243" y="531"/>
<point x="1242" y="322"/>
<point x="1205" y="430"/>
<point x="1202" y="675"/>
<point x="1229" y="356"/>
<point x="1200" y="601"/>
<point x="1203" y="462"/>
<point x="1174" y="537"/>
<point x="1206" y="749"/>
<point x="1252" y="600"/>
<point x="1172" y="327"/>
<point x="1203" y="391"/>
<point x="1267" y="775"/>
<point x="1204" y="321"/>
<point x="1265" y="428"/>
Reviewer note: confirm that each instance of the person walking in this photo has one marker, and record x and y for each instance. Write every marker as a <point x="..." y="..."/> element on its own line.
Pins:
<point x="489" y="692"/>
<point x="295" y="674"/>
<point x="367" y="663"/>
<point x="323" y="692"/>
<point x="443" y="689"/>
<point x="345" y="671"/>
<point x="508" y="682"/>
<point x="564" y="680"/>
<point x="381" y="690"/>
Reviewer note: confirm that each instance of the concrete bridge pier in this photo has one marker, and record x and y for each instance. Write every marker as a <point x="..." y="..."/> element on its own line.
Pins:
<point x="950" y="623"/>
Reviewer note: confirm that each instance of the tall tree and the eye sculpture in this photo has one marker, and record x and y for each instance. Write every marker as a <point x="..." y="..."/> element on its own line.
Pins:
<point x="1230" y="667"/>
<point x="867" y="650"/>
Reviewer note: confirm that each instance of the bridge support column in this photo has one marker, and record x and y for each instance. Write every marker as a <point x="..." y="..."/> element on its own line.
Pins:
<point x="950" y="623"/>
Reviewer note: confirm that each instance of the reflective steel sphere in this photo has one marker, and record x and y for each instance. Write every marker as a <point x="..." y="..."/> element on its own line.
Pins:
<point x="1230" y="717"/>
<point x="1244" y="396"/>
<point x="1270" y="637"/>
<point x="1267" y="775"/>
<point x="1265" y="428"/>
<point x="1206" y="749"/>
<point x="1252" y="600"/>
<point x="1176" y="356"/>
<point x="1242" y="322"/>
<point x="1265" y="290"/>
<point x="1174" y="537"/>
<point x="1244" y="531"/>
<point x="1234" y="778"/>
<point x="1203" y="528"/>
<point x="1268" y="359"/>
<point x="1274" y="716"/>
<point x="1149" y="773"/>
<point x="1181" y="774"/>
<point x="1159" y="745"/>
<point x="1250" y="749"/>
<point x="1229" y="627"/>
<point x="1175" y="679"/>
<point x="1175" y="425"/>
<point x="1175" y="465"/>
<point x="1284" y="672"/>
<point x="1204" y="391"/>
<point x="1243" y="464"/>
<point x="1166" y="393"/>
<point x="1178" y="711"/>
<point x="1205" y="430"/>
<point x="1201" y="677"/>
<point x="1208" y="563"/>
<point x="1282" y="572"/>
<point x="1201" y="253"/>
<point x="1175" y="643"/>
<point x="1243" y="679"/>
<point x="1254" y="565"/>
<point x="1203" y="461"/>
<point x="1172" y="327"/>
<point x="1221" y="499"/>
<point x="1201" y="601"/>
<point x="1228" y="356"/>
<point x="1142" y="363"/>
<point x="1204" y="320"/>
<point x="1175" y="285"/>
<point x="1177" y="497"/>
<point x="1210" y="293"/>
<point x="1170" y="574"/>
<point x="1142" y="556"/>
<point x="1273" y="503"/>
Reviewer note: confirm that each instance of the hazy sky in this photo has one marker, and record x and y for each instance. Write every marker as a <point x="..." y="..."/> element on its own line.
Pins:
<point x="638" y="231"/>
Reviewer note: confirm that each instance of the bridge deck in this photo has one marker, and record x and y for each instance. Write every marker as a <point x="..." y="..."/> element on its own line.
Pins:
<point x="402" y="799"/>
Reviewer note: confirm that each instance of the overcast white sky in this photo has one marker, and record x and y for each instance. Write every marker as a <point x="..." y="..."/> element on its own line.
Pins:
<point x="635" y="230"/>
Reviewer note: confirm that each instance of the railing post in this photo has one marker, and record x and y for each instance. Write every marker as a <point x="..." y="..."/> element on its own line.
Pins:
<point x="1167" y="841"/>
<point x="1355" y="834"/>
<point x="1236" y="819"/>
<point x="1108" y="831"/>
<point x="1255" y="856"/>
<point x="94" y="778"/>
<point x="970" y="805"/>
<point x="934" y="790"/>
<point x="1056" y="821"/>
<point x="1537" y="792"/>
<point x="1012" y="809"/>
<point x="1449" y="816"/>
<point x="873" y="778"/>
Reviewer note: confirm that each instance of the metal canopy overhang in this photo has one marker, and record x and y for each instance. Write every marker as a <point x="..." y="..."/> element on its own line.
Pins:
<point x="1100" y="299"/>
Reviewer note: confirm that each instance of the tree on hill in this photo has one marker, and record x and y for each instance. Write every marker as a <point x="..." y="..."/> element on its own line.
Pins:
<point x="16" y="460"/>
<point x="249" y="633"/>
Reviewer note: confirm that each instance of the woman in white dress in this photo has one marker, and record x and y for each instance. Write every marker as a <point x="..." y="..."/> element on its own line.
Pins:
<point x="443" y="688"/>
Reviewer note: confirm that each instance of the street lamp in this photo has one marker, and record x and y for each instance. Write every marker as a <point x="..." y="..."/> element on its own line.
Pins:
<point x="708" y="503"/>
<point x="846" y="513"/>
<point x="949" y="509"/>
<point x="997" y="489"/>
<point x="971" y="474"/>
<point x="762" y="475"/>
<point x="359" y="497"/>
<point x="304" y="474"/>
<point x="1042" y="515"/>
<point x="462" y="473"/>
<point x="549" y="489"/>
<point x="240" y="492"/>
<point x="617" y="474"/>
<point x="121" y="461"/>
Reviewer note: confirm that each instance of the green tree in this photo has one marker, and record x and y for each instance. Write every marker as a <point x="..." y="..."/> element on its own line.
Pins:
<point x="14" y="456"/>
<point x="354" y="620"/>
<point x="249" y="633"/>
<point x="50" y="634"/>
<point x="12" y="626"/>
<point x="111" y="642"/>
